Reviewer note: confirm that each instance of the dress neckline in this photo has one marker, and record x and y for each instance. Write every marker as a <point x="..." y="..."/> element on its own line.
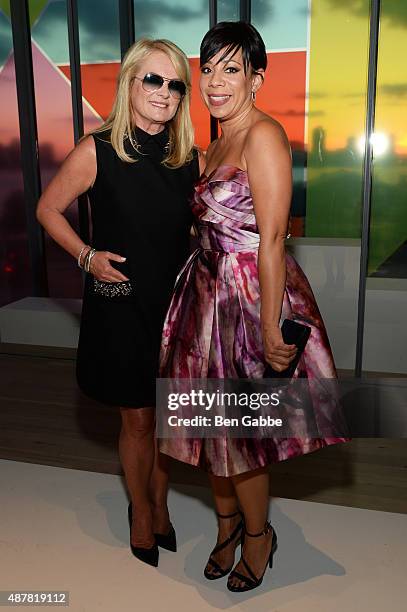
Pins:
<point x="208" y="176"/>
<point x="161" y="138"/>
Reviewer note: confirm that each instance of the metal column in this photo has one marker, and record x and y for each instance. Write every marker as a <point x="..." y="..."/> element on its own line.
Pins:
<point x="367" y="178"/>
<point x="77" y="109"/>
<point x="213" y="20"/>
<point x="126" y="18"/>
<point x="20" y="23"/>
<point x="245" y="10"/>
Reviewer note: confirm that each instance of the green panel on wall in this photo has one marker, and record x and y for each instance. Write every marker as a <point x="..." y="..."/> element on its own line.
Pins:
<point x="5" y="7"/>
<point x="336" y="118"/>
<point x="35" y="8"/>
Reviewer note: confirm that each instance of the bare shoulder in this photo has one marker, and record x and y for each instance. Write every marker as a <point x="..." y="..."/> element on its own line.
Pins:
<point x="201" y="158"/>
<point x="87" y="142"/>
<point x="80" y="166"/>
<point x="199" y="150"/>
<point x="85" y="148"/>
<point x="266" y="132"/>
<point x="208" y="154"/>
<point x="210" y="148"/>
<point x="82" y="159"/>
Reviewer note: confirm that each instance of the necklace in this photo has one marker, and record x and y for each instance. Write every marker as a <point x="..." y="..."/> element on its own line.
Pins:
<point x="138" y="147"/>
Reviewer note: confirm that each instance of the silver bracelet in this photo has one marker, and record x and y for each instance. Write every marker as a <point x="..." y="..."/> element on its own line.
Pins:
<point x="92" y="252"/>
<point x="88" y="259"/>
<point x="85" y="260"/>
<point x="80" y="255"/>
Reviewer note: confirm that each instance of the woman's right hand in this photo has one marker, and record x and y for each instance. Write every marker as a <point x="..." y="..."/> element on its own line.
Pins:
<point x="102" y="270"/>
<point x="278" y="354"/>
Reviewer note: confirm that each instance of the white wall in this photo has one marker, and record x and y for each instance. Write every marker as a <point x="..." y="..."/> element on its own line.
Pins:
<point x="332" y="267"/>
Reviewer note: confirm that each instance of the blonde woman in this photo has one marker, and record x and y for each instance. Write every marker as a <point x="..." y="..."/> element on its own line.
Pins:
<point x="138" y="169"/>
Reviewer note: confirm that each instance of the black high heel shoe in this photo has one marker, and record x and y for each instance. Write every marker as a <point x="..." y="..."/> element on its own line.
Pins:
<point x="147" y="555"/>
<point x="252" y="581"/>
<point x="167" y="541"/>
<point x="220" y="571"/>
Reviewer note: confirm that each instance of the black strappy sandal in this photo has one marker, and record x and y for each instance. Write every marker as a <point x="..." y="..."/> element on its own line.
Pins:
<point x="220" y="571"/>
<point x="252" y="581"/>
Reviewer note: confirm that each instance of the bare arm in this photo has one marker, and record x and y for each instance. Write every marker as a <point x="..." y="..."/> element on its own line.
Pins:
<point x="268" y="158"/>
<point x="76" y="176"/>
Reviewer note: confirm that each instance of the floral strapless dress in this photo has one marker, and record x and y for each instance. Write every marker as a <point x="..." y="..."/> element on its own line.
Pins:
<point x="212" y="328"/>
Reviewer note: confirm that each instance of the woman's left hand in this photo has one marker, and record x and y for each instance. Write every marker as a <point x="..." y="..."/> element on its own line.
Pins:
<point x="278" y="354"/>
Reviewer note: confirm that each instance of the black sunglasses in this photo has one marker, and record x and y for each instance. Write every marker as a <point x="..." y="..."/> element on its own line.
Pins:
<point x="154" y="82"/>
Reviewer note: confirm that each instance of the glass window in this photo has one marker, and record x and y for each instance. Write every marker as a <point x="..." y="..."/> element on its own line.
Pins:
<point x="6" y="40"/>
<point x="15" y="276"/>
<point x="184" y="23"/>
<point x="228" y="10"/>
<point x="99" y="31"/>
<point x="388" y="225"/>
<point x="181" y="21"/>
<point x="336" y="117"/>
<point x="324" y="81"/>
<point x="284" y="29"/>
<point x="55" y="129"/>
<point x="283" y="25"/>
<point x="335" y="112"/>
<point x="386" y="294"/>
<point x="99" y="38"/>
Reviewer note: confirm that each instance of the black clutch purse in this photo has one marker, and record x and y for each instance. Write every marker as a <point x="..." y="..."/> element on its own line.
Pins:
<point x="293" y="333"/>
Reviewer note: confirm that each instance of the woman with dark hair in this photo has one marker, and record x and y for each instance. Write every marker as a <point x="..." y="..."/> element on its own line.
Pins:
<point x="223" y="321"/>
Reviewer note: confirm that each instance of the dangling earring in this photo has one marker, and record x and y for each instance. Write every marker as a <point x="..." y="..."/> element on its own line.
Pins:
<point x="253" y="96"/>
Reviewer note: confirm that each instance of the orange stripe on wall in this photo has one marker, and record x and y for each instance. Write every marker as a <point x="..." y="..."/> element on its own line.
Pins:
<point x="199" y="112"/>
<point x="98" y="85"/>
<point x="283" y="93"/>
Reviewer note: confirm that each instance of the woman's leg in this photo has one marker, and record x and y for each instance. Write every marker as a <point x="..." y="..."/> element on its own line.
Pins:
<point x="158" y="490"/>
<point x="225" y="503"/>
<point x="252" y="490"/>
<point x="136" y="450"/>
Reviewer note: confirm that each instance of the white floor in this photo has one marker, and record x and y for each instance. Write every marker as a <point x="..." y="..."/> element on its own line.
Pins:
<point x="67" y="530"/>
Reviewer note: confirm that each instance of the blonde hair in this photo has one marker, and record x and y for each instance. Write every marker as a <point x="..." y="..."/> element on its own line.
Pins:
<point x="119" y="122"/>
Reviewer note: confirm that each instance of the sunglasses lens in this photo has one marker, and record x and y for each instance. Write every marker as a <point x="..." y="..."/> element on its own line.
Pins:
<point x="177" y="88"/>
<point x="152" y="82"/>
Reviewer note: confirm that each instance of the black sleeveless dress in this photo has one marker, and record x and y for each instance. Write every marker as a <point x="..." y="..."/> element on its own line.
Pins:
<point x="140" y="211"/>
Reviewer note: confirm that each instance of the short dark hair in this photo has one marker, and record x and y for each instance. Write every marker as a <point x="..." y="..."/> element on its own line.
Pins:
<point x="232" y="36"/>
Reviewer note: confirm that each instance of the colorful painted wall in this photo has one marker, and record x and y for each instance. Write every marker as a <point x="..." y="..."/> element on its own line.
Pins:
<point x="315" y="86"/>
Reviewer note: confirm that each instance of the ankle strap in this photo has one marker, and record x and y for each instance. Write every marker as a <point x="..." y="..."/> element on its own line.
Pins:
<point x="228" y="515"/>
<point x="265" y="531"/>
